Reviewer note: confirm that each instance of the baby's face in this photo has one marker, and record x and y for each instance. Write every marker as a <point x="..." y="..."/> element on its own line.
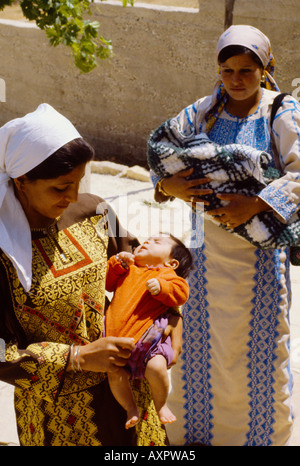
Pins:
<point x="155" y="251"/>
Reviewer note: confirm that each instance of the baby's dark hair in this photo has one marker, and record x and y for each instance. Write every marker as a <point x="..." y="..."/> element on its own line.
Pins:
<point x="181" y="253"/>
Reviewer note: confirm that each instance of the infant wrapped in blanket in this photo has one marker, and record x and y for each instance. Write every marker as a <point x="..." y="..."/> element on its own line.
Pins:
<point x="232" y="168"/>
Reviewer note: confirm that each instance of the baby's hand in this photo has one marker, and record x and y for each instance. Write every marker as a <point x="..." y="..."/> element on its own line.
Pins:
<point x="153" y="286"/>
<point x="126" y="258"/>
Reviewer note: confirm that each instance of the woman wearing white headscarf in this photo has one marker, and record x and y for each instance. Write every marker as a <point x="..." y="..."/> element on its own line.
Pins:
<point x="54" y="246"/>
<point x="232" y="385"/>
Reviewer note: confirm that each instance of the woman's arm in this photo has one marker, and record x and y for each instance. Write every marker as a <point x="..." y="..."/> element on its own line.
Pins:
<point x="183" y="188"/>
<point x="43" y="368"/>
<point x="238" y="210"/>
<point x="105" y="354"/>
<point x="172" y="137"/>
<point x="174" y="329"/>
<point x="39" y="368"/>
<point x="283" y="194"/>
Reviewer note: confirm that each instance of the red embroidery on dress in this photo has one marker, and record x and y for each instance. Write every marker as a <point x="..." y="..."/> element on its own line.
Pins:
<point x="86" y="260"/>
<point x="71" y="420"/>
<point x="60" y="328"/>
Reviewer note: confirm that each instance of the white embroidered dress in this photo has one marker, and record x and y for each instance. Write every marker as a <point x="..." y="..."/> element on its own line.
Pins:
<point x="232" y="385"/>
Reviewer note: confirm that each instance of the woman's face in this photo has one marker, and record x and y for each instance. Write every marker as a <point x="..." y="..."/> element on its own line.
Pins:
<point x="241" y="77"/>
<point x="47" y="199"/>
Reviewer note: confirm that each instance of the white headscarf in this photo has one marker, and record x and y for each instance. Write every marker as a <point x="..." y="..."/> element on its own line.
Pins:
<point x="24" y="144"/>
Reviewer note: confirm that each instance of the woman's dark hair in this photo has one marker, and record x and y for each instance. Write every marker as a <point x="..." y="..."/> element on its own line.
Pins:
<point x="181" y="253"/>
<point x="63" y="161"/>
<point x="232" y="50"/>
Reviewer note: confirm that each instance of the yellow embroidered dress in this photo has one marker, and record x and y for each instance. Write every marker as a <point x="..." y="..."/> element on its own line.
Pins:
<point x="65" y="305"/>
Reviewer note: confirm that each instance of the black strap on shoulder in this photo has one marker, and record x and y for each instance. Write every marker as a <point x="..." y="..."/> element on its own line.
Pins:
<point x="275" y="106"/>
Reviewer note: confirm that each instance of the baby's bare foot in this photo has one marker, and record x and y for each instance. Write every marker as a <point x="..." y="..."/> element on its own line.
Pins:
<point x="132" y="420"/>
<point x="166" y="416"/>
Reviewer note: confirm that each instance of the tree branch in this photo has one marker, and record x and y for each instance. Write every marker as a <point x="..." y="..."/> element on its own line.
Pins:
<point x="229" y="6"/>
<point x="64" y="23"/>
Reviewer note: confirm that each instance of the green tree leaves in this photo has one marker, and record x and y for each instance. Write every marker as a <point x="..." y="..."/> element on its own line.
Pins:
<point x="64" y="22"/>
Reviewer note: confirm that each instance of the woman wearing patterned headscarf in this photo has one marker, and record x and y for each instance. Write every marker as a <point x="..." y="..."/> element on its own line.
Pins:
<point x="232" y="384"/>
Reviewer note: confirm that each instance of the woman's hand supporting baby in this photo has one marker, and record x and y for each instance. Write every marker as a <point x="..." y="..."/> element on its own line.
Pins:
<point x="105" y="354"/>
<point x="180" y="186"/>
<point x="238" y="210"/>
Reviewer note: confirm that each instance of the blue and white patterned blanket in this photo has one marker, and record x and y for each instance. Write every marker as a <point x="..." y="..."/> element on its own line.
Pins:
<point x="231" y="168"/>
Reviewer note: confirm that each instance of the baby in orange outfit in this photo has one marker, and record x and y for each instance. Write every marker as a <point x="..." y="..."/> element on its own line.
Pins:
<point x="145" y="285"/>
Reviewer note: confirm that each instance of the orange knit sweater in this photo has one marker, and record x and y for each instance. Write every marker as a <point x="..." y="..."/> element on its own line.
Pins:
<point x="133" y="309"/>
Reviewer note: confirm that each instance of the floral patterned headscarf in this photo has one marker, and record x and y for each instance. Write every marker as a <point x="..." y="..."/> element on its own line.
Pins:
<point x="257" y="42"/>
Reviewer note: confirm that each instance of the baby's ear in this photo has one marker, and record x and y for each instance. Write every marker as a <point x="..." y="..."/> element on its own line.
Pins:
<point x="173" y="263"/>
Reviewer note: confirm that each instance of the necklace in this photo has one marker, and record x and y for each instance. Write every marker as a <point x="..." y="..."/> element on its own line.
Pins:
<point x="51" y="231"/>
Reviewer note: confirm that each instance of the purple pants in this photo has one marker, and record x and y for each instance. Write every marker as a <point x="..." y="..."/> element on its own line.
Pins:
<point x="150" y="345"/>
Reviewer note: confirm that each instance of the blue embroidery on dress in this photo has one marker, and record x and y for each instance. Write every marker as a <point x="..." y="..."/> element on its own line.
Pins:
<point x="223" y="132"/>
<point x="262" y="346"/>
<point x="262" y="139"/>
<point x="278" y="200"/>
<point x="196" y="356"/>
<point x="263" y="325"/>
<point x="252" y="132"/>
<point x="289" y="297"/>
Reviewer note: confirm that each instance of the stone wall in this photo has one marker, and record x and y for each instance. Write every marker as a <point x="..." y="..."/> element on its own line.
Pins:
<point x="164" y="59"/>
